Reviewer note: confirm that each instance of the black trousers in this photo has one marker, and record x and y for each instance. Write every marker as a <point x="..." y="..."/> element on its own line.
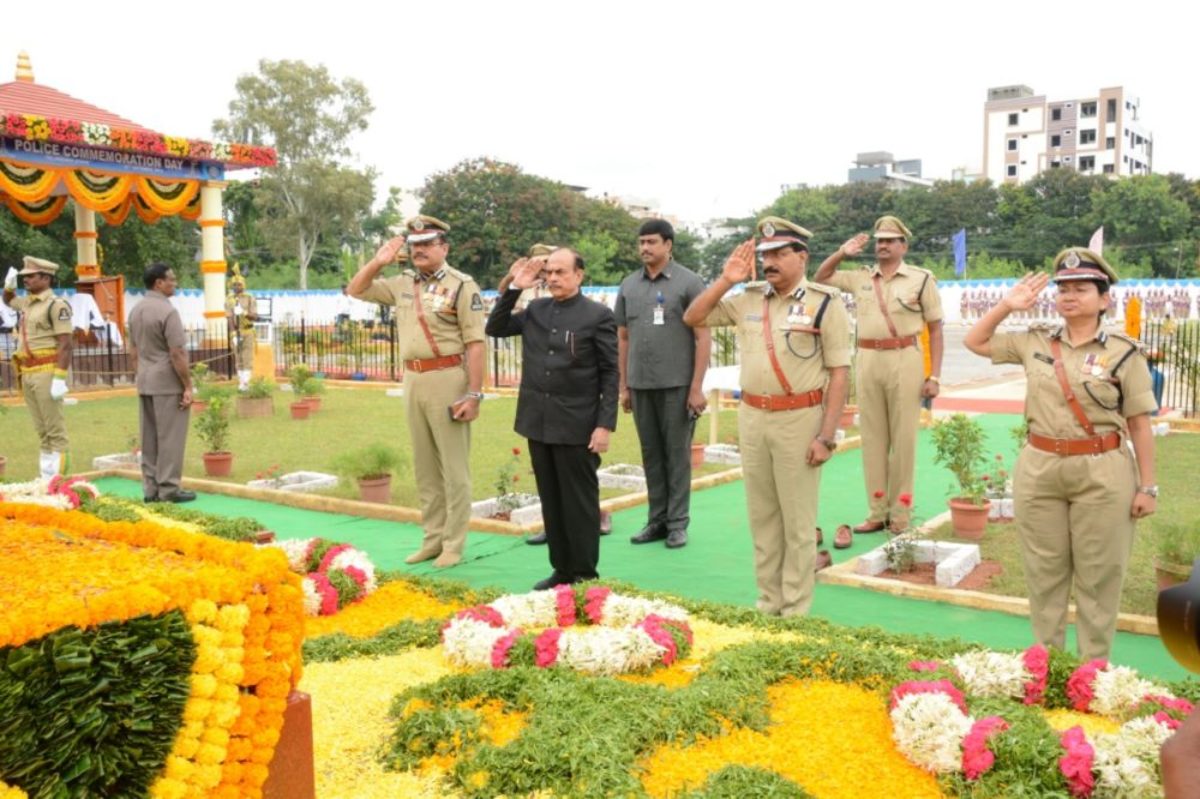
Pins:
<point x="570" y="494"/>
<point x="665" y="432"/>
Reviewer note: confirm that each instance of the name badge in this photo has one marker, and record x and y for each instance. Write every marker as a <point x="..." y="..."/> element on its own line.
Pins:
<point x="659" y="315"/>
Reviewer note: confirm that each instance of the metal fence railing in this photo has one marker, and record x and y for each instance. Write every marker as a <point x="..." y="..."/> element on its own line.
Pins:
<point x="101" y="359"/>
<point x="1173" y="349"/>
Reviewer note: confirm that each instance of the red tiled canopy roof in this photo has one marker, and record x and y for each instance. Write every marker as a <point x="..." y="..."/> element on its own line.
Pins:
<point x="34" y="98"/>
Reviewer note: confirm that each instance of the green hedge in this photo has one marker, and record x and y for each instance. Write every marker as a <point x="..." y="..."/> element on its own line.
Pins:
<point x="87" y="713"/>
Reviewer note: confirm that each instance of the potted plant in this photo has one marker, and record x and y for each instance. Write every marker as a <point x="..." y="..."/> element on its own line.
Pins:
<point x="201" y="381"/>
<point x="372" y="466"/>
<point x="212" y="425"/>
<point x="1177" y="545"/>
<point x="257" y="400"/>
<point x="299" y="409"/>
<point x="958" y="442"/>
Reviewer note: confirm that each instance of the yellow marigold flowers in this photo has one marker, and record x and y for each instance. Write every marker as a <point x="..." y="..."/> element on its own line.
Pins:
<point x="1062" y="720"/>
<point x="243" y="605"/>
<point x="391" y="603"/>
<point x="800" y="746"/>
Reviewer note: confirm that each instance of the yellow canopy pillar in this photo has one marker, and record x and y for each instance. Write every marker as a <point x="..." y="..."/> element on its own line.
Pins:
<point x="87" y="264"/>
<point x="212" y="258"/>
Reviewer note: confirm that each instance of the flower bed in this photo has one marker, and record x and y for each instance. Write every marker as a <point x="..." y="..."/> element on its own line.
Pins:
<point x="780" y="707"/>
<point x="334" y="575"/>
<point x="147" y="661"/>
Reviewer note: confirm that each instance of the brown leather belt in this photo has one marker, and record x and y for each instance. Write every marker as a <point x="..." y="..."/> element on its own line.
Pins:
<point x="783" y="402"/>
<point x="898" y="343"/>
<point x="24" y="362"/>
<point x="1076" y="446"/>
<point x="433" y="364"/>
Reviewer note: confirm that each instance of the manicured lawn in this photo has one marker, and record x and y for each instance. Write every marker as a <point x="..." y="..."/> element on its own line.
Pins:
<point x="1178" y="464"/>
<point x="349" y="418"/>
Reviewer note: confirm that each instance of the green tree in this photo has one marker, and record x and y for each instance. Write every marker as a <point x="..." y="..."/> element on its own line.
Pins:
<point x="54" y="242"/>
<point x="1144" y="217"/>
<point x="311" y="197"/>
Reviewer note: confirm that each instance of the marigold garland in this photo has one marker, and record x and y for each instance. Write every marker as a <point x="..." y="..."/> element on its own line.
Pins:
<point x="244" y="604"/>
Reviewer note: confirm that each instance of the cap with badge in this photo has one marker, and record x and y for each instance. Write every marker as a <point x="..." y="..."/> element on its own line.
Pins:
<point x="890" y="227"/>
<point x="425" y="228"/>
<point x="1080" y="263"/>
<point x="541" y="250"/>
<point x="775" y="232"/>
<point x="238" y="278"/>
<point x="37" y="266"/>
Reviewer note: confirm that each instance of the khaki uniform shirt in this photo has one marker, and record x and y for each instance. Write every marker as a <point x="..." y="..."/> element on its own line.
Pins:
<point x="44" y="317"/>
<point x="449" y="301"/>
<point x="243" y="323"/>
<point x="911" y="296"/>
<point x="154" y="328"/>
<point x="1108" y="375"/>
<point x="805" y="351"/>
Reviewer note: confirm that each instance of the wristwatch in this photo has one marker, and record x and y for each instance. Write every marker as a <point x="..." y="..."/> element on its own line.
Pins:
<point x="935" y="379"/>
<point x="829" y="443"/>
<point x="475" y="395"/>
<point x="1150" y="491"/>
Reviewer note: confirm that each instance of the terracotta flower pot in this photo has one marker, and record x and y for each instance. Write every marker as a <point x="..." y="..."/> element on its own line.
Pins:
<point x="198" y="406"/>
<point x="969" y="520"/>
<point x="697" y="455"/>
<point x="252" y="407"/>
<point x="299" y="410"/>
<point x="376" y="489"/>
<point x="218" y="464"/>
<point x="1169" y="574"/>
<point x="314" y="404"/>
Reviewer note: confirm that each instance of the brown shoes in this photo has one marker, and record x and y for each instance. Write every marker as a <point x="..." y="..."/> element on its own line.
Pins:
<point x="870" y="527"/>
<point x="844" y="537"/>
<point x="824" y="559"/>
<point x="422" y="555"/>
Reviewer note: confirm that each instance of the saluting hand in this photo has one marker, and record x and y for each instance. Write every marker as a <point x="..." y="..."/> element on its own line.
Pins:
<point x="855" y="245"/>
<point x="525" y="271"/>
<point x="1022" y="296"/>
<point x="740" y="264"/>
<point x="390" y="249"/>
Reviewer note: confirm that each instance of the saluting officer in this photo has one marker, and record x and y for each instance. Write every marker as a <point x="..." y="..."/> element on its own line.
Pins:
<point x="42" y="357"/>
<point x="1079" y="487"/>
<point x="893" y="302"/>
<point x="794" y="339"/>
<point x="439" y="323"/>
<point x="241" y="314"/>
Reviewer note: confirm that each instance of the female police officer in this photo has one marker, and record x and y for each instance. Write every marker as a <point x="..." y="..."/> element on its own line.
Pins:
<point x="1079" y="488"/>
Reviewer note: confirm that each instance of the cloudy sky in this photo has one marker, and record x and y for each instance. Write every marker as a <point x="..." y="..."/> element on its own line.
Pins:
<point x="703" y="109"/>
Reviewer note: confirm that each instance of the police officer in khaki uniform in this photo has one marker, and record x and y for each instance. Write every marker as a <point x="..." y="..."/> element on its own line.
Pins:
<point x="536" y="291"/>
<point x="893" y="301"/>
<point x="42" y="357"/>
<point x="1079" y="487"/>
<point x="794" y="338"/>
<point x="439" y="323"/>
<point x="240" y="311"/>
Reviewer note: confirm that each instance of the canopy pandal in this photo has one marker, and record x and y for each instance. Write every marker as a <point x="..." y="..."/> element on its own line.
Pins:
<point x="53" y="146"/>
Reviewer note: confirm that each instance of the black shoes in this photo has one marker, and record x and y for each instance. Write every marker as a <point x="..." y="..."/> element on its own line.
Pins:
<point x="179" y="496"/>
<point x="550" y="582"/>
<point x="648" y="534"/>
<point x="676" y="539"/>
<point x="534" y="540"/>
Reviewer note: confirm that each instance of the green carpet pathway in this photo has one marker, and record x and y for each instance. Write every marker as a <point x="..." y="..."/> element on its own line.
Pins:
<point x="717" y="563"/>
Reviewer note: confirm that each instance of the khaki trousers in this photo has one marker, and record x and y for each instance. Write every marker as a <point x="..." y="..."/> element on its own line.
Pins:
<point x="781" y="498"/>
<point x="441" y="456"/>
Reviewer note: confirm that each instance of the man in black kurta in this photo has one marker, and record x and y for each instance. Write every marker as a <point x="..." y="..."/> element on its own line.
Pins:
<point x="567" y="405"/>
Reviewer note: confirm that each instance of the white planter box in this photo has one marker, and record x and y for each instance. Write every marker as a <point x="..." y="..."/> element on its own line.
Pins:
<point x="1001" y="509"/>
<point x="297" y="481"/>
<point x="120" y="460"/>
<point x="723" y="453"/>
<point x="623" y="475"/>
<point x="954" y="561"/>
<point x="528" y="510"/>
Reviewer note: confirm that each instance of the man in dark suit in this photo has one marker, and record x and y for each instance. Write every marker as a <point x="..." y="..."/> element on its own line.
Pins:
<point x="567" y="405"/>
